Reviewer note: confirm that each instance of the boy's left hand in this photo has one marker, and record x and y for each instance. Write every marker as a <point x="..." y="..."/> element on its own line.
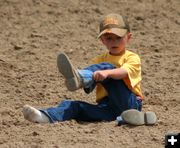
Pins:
<point x="100" y="75"/>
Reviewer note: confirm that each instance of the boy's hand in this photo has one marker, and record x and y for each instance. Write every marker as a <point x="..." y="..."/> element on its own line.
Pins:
<point x="100" y="75"/>
<point x="117" y="74"/>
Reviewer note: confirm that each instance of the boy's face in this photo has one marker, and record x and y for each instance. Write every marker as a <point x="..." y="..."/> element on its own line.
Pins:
<point x="115" y="44"/>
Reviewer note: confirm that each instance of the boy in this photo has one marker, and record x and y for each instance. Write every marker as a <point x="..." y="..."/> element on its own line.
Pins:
<point x="116" y="74"/>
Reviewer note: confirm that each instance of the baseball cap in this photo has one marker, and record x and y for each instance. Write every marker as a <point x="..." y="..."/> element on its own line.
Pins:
<point x="114" y="23"/>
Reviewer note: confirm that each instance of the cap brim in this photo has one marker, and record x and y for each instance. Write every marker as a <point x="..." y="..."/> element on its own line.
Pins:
<point x="116" y="31"/>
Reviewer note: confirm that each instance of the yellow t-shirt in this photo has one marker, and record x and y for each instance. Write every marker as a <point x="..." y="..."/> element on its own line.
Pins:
<point x="129" y="61"/>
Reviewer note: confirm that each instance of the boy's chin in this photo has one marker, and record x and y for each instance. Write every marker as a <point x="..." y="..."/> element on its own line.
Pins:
<point x="116" y="52"/>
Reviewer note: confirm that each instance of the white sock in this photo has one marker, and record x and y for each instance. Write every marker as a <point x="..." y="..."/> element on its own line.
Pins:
<point x="34" y="115"/>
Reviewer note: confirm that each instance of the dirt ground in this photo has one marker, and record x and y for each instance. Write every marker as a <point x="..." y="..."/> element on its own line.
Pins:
<point x="33" y="32"/>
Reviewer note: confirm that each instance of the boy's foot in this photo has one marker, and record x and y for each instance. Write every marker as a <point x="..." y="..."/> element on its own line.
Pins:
<point x="72" y="78"/>
<point x="34" y="115"/>
<point x="135" y="117"/>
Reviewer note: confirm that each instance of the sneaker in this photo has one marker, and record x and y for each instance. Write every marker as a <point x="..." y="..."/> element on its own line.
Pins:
<point x="72" y="78"/>
<point x="135" y="117"/>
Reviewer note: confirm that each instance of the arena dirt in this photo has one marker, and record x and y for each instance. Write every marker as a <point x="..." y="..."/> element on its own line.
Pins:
<point x="33" y="32"/>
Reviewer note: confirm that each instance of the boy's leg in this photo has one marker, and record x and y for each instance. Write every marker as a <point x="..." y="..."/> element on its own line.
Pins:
<point x="75" y="79"/>
<point x="126" y="104"/>
<point x="121" y="98"/>
<point x="79" y="110"/>
<point x="87" y="75"/>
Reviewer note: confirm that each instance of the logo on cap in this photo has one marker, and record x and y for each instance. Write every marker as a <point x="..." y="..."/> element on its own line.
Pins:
<point x="110" y="20"/>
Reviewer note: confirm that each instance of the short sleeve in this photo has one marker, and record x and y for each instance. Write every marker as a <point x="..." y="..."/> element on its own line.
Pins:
<point x="133" y="67"/>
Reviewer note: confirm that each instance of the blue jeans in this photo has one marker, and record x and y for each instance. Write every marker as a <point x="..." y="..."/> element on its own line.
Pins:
<point x="119" y="99"/>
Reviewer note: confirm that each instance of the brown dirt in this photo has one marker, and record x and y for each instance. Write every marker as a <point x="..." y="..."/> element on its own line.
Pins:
<point x="33" y="32"/>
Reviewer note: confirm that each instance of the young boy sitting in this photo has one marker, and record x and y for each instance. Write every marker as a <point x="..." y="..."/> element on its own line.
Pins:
<point x="116" y="75"/>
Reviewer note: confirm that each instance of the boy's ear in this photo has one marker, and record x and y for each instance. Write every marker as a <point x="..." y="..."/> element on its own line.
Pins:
<point x="129" y="36"/>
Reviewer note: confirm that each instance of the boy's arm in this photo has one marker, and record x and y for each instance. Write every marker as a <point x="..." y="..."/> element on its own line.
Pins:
<point x="118" y="73"/>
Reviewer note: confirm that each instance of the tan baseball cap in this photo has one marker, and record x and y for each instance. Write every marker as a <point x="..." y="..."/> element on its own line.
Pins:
<point x="114" y="23"/>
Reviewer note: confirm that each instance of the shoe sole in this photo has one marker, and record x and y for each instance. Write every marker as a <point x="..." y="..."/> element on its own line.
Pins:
<point x="135" y="117"/>
<point x="67" y="70"/>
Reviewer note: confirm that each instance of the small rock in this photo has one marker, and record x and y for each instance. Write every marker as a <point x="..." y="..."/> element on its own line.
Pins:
<point x="17" y="47"/>
<point x="177" y="22"/>
<point x="139" y="18"/>
<point x="35" y="133"/>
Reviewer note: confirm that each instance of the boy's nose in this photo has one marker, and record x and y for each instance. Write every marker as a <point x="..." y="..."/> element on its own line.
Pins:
<point x="115" y="42"/>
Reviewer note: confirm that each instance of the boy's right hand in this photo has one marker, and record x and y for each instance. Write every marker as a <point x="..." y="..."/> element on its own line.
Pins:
<point x="100" y="75"/>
